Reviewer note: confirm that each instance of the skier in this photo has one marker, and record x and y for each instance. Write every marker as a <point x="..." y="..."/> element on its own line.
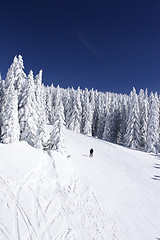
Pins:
<point x="91" y="152"/>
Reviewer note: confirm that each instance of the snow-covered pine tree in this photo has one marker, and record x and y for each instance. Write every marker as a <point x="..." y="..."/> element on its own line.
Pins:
<point x="92" y="99"/>
<point x="68" y="106"/>
<point x="10" y="130"/>
<point x="144" y="128"/>
<point x="53" y="92"/>
<point x="102" y="111"/>
<point x="78" y="108"/>
<point x="133" y="137"/>
<point x="18" y="75"/>
<point x="87" y="114"/>
<point x="56" y="99"/>
<point x="28" y="117"/>
<point x="152" y="144"/>
<point x="117" y="119"/>
<point x="48" y="105"/>
<point x="41" y="135"/>
<point x="107" y="132"/>
<point x="74" y="116"/>
<point x="57" y="134"/>
<point x="144" y="107"/>
<point x="0" y="88"/>
<point x="111" y="125"/>
<point x="0" y="105"/>
<point x="66" y="99"/>
<point x="95" y="115"/>
<point x="123" y="117"/>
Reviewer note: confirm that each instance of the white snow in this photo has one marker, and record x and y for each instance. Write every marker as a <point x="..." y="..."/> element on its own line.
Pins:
<point x="17" y="160"/>
<point x="46" y="195"/>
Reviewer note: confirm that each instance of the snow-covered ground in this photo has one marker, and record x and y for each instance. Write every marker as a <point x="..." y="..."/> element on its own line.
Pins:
<point x="45" y="195"/>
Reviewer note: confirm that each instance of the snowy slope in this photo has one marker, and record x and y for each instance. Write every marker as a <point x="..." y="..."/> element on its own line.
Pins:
<point x="127" y="182"/>
<point x="113" y="196"/>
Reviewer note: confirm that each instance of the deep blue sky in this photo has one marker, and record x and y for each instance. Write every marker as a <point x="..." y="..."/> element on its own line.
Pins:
<point x="108" y="45"/>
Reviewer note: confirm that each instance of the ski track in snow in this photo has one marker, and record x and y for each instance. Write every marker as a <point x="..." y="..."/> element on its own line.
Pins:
<point x="62" y="199"/>
<point x="84" y="217"/>
<point x="68" y="211"/>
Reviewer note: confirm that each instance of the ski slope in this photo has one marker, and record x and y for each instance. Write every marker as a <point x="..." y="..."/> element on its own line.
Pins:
<point x="46" y="195"/>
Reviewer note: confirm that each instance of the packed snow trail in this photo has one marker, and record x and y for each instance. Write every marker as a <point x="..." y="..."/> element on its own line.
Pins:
<point x="112" y="196"/>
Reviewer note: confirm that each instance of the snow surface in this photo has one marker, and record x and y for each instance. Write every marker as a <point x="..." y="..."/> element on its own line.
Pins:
<point x="115" y="195"/>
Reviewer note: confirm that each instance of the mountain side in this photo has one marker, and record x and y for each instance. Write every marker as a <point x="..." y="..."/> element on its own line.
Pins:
<point x="113" y="195"/>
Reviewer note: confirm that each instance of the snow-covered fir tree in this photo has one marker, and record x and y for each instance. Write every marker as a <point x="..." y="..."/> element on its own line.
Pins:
<point x="66" y="99"/>
<point x="95" y="115"/>
<point x="75" y="114"/>
<point x="92" y="99"/>
<point x="16" y="70"/>
<point x="28" y="117"/>
<point x="123" y="119"/>
<point x="57" y="134"/>
<point x="132" y="136"/>
<point x="41" y="135"/>
<point x="1" y="83"/>
<point x="101" y="115"/>
<point x="144" y="107"/>
<point x="48" y="105"/>
<point x="87" y="114"/>
<point x="112" y="120"/>
<point x="56" y="99"/>
<point x="10" y="130"/>
<point x="20" y="76"/>
<point x="118" y="119"/>
<point x="152" y="143"/>
<point x="107" y="133"/>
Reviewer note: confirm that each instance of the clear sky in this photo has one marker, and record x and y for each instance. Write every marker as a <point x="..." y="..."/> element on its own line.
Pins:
<point x="106" y="45"/>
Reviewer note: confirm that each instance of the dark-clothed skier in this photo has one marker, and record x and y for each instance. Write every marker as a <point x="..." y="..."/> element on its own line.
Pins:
<point x="91" y="152"/>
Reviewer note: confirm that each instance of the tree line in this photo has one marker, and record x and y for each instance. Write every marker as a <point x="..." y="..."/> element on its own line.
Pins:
<point x="27" y="106"/>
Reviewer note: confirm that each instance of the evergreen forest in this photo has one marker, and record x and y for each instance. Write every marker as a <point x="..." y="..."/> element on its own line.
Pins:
<point x="27" y="106"/>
